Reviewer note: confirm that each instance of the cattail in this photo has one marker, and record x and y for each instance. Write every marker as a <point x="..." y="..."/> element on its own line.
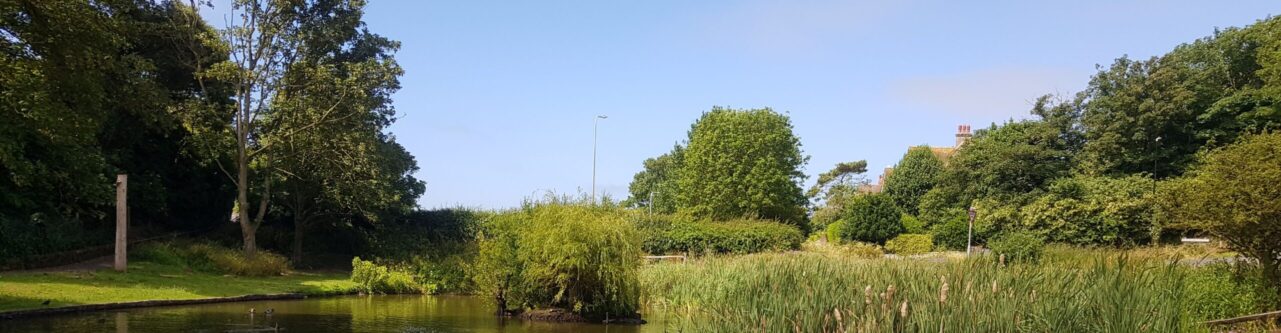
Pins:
<point x="903" y="310"/>
<point x="889" y="294"/>
<point x="840" y="323"/>
<point x="943" y="290"/>
<point x="867" y="295"/>
<point x="993" y="286"/>
<point x="1002" y="260"/>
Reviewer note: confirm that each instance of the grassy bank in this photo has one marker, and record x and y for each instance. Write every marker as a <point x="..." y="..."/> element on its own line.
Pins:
<point x="1086" y="291"/>
<point x="152" y="281"/>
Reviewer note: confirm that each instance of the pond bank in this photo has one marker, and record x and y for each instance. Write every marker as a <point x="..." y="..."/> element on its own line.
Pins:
<point x="154" y="282"/>
<point x="28" y="313"/>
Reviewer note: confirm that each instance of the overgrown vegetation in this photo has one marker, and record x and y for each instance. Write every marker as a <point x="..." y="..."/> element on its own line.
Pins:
<point x="910" y="244"/>
<point x="211" y="258"/>
<point x="569" y="256"/>
<point x="373" y="278"/>
<point x="1084" y="291"/>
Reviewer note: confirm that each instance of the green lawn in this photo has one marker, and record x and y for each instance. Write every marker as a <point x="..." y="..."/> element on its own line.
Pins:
<point x="153" y="281"/>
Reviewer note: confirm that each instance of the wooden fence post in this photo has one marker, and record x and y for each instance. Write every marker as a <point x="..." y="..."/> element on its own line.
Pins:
<point x="122" y="222"/>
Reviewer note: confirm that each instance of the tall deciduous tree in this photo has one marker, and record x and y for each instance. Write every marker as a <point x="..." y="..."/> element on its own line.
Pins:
<point x="278" y="51"/>
<point x="655" y="186"/>
<point x="914" y="175"/>
<point x="742" y="163"/>
<point x="1200" y="95"/>
<point x="1234" y="196"/>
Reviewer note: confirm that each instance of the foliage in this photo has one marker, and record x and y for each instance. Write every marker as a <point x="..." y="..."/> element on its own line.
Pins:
<point x="910" y="244"/>
<point x="1233" y="196"/>
<point x="871" y="218"/>
<point x="85" y="92"/>
<point x="211" y="258"/>
<point x="834" y="232"/>
<point x="1199" y="96"/>
<point x="846" y="250"/>
<point x="819" y="293"/>
<point x="1017" y="246"/>
<point x="833" y="190"/>
<point x="372" y="278"/>
<point x="912" y="225"/>
<point x="657" y="181"/>
<point x="743" y="163"/>
<point x="735" y="236"/>
<point x="1093" y="211"/>
<point x="953" y="233"/>
<point x="554" y="255"/>
<point x="914" y="175"/>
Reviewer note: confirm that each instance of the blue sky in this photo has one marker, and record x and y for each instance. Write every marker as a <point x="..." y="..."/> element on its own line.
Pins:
<point x="499" y="96"/>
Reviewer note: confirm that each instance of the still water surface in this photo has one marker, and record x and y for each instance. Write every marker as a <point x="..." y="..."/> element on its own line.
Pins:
<point x="325" y="314"/>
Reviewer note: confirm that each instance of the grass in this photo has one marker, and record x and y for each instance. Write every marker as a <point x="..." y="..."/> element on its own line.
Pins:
<point x="153" y="281"/>
<point x="1070" y="290"/>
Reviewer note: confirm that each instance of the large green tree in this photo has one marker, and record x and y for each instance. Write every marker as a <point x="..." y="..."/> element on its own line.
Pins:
<point x="915" y="174"/>
<point x="743" y="162"/>
<point x="1200" y="95"/>
<point x="1234" y="196"/>
<point x="86" y="90"/>
<point x="655" y="186"/>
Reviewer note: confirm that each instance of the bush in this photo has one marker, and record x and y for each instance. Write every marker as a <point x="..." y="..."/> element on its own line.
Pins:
<point x="1018" y="246"/>
<point x="207" y="257"/>
<point x="739" y="237"/>
<point x="1093" y="211"/>
<point x="871" y="218"/>
<point x="372" y="278"/>
<point x="913" y="225"/>
<point x="834" y="232"/>
<point x="910" y="244"/>
<point x="952" y="234"/>
<point x="569" y="256"/>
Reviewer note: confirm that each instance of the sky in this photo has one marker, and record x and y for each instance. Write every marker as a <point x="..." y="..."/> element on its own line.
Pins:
<point x="499" y="98"/>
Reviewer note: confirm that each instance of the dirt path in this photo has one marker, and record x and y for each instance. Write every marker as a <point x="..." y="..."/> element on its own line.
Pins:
<point x="94" y="264"/>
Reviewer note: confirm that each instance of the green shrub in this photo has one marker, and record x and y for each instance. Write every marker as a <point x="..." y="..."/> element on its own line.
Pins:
<point x="207" y="257"/>
<point x="739" y="236"/>
<point x="1093" y="211"/>
<point x="372" y="278"/>
<point x="1018" y="246"/>
<point x="913" y="225"/>
<point x="871" y="218"/>
<point x="570" y="256"/>
<point x="834" y="232"/>
<point x="952" y="234"/>
<point x="910" y="244"/>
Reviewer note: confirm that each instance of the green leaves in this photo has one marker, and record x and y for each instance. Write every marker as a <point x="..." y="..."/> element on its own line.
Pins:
<point x="742" y="163"/>
<point x="916" y="174"/>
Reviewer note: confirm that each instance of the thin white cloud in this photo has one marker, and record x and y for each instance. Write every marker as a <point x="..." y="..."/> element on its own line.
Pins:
<point x="989" y="93"/>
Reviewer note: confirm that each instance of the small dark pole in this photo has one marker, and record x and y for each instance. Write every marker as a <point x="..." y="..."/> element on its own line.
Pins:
<point x="1156" y="237"/>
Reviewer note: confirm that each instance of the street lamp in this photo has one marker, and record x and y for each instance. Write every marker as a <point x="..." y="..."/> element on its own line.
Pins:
<point x="595" y="124"/>
<point x="969" y="238"/>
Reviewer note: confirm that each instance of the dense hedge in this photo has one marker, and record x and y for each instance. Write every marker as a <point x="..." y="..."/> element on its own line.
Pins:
<point x="213" y="258"/>
<point x="678" y="235"/>
<point x="871" y="218"/>
<point x="910" y="244"/>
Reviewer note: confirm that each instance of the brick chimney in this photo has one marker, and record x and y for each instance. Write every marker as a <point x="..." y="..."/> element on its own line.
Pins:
<point x="962" y="135"/>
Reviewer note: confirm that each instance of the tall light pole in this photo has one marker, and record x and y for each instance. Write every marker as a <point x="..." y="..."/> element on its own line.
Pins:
<point x="595" y="124"/>
<point x="969" y="237"/>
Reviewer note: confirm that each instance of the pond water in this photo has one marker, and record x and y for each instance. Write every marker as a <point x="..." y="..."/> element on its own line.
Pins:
<point x="323" y="314"/>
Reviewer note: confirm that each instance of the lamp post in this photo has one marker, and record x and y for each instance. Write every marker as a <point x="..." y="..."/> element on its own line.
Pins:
<point x="969" y="238"/>
<point x="595" y="124"/>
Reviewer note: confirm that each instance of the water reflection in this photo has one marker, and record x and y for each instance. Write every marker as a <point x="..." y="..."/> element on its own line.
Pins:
<point x="331" y="314"/>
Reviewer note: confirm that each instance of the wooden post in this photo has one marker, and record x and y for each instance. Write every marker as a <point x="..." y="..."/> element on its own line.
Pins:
<point x="122" y="221"/>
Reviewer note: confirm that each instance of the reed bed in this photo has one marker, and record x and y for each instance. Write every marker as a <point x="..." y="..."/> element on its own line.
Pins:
<point x="808" y="292"/>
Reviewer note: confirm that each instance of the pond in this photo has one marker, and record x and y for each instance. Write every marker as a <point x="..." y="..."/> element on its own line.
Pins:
<point x="323" y="314"/>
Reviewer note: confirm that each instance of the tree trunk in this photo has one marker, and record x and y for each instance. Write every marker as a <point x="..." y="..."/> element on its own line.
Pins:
<point x="299" y="223"/>
<point x="242" y="201"/>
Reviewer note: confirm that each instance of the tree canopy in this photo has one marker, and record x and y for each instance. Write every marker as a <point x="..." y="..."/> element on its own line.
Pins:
<point x="915" y="174"/>
<point x="741" y="163"/>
